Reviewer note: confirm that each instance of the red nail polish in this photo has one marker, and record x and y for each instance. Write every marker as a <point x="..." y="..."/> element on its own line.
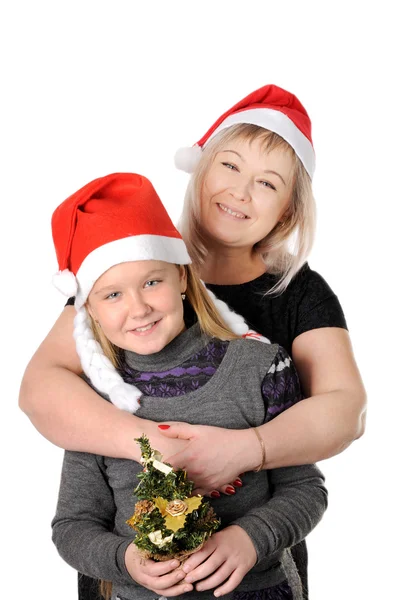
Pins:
<point x="164" y="426"/>
<point x="229" y="489"/>
<point x="238" y="483"/>
<point x="215" y="494"/>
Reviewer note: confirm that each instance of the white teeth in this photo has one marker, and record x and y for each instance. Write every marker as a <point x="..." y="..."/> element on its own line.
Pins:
<point x="231" y="212"/>
<point x="145" y="328"/>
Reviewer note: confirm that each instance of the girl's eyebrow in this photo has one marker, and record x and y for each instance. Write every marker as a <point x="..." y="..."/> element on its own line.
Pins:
<point x="114" y="286"/>
<point x="105" y="288"/>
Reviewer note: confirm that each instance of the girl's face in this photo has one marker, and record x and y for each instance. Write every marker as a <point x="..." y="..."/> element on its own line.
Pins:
<point x="245" y="193"/>
<point x="138" y="305"/>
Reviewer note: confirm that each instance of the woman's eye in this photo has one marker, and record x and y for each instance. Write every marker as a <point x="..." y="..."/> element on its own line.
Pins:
<point x="268" y="184"/>
<point x="112" y="296"/>
<point x="229" y="166"/>
<point x="151" y="282"/>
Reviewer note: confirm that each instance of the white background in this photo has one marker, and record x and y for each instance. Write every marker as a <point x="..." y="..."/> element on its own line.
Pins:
<point x="89" y="88"/>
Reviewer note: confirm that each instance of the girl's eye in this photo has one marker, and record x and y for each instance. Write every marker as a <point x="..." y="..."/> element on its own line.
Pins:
<point x="268" y="184"/>
<point x="229" y="166"/>
<point x="151" y="282"/>
<point x="112" y="296"/>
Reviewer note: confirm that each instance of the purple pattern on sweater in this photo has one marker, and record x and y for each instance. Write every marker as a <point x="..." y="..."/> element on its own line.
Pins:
<point x="194" y="371"/>
<point x="280" y="389"/>
<point x="182" y="379"/>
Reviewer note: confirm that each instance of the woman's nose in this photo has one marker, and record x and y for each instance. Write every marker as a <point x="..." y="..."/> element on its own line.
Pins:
<point x="241" y="192"/>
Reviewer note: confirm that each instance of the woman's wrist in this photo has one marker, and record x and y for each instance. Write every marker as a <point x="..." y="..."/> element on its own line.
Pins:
<point x="251" y="453"/>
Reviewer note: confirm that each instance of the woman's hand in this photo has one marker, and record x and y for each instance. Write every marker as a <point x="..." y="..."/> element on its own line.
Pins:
<point x="224" y="559"/>
<point x="213" y="457"/>
<point x="168" y="446"/>
<point x="163" y="578"/>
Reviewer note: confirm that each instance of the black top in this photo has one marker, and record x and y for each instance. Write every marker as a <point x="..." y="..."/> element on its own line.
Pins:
<point x="307" y="303"/>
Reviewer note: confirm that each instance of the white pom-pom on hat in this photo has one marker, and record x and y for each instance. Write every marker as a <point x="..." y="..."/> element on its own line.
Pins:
<point x="65" y="282"/>
<point x="187" y="159"/>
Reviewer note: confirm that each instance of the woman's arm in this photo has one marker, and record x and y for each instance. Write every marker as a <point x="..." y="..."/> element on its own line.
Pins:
<point x="69" y="413"/>
<point x="322" y="425"/>
<point x="333" y="413"/>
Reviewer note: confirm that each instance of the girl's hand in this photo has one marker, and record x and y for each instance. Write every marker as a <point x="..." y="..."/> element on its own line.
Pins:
<point x="224" y="559"/>
<point x="213" y="456"/>
<point x="163" y="578"/>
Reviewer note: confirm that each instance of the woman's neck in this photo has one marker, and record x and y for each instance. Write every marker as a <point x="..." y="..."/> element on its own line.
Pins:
<point x="232" y="266"/>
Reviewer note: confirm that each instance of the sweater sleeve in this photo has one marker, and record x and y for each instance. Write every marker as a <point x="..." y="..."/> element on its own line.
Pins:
<point x="83" y="524"/>
<point x="280" y="387"/>
<point x="299" y="497"/>
<point x="298" y="502"/>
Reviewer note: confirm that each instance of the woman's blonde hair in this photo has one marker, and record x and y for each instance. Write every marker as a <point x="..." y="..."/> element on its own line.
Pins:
<point x="210" y="321"/>
<point x="285" y="249"/>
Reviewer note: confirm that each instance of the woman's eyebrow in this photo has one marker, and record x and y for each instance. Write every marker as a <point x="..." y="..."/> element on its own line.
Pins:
<point x="235" y="152"/>
<point x="275" y="173"/>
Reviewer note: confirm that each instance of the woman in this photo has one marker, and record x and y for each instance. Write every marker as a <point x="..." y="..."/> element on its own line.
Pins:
<point x="251" y="203"/>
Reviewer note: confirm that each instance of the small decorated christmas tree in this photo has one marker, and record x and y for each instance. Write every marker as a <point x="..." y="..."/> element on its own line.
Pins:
<point x="170" y="523"/>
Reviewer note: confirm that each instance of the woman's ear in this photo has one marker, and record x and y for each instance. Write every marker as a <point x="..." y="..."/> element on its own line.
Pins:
<point x="183" y="278"/>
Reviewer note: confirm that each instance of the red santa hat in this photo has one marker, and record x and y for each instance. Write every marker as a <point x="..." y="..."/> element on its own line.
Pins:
<point x="114" y="219"/>
<point x="269" y="107"/>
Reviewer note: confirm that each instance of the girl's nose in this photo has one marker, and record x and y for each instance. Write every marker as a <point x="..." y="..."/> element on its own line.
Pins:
<point x="138" y="308"/>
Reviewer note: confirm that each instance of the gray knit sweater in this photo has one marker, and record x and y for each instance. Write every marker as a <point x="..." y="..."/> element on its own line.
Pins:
<point x="277" y="508"/>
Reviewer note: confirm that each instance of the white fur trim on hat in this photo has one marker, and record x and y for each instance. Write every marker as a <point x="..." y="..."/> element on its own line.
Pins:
<point x="99" y="368"/>
<point x="133" y="248"/>
<point x="187" y="159"/>
<point x="278" y="122"/>
<point x="65" y="282"/>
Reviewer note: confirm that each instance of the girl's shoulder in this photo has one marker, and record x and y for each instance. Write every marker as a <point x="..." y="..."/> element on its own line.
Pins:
<point x="256" y="352"/>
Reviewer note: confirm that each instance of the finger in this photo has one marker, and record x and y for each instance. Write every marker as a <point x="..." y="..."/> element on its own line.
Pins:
<point x="180" y="460"/>
<point x="206" y="568"/>
<point x="228" y="489"/>
<point x="198" y="557"/>
<point x="175" y="429"/>
<point x="157" y="569"/>
<point x="165" y="581"/>
<point x="228" y="586"/>
<point x="175" y="590"/>
<point x="217" y="577"/>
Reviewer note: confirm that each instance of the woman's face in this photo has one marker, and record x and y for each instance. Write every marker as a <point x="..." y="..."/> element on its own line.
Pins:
<point x="245" y="193"/>
<point x="138" y="304"/>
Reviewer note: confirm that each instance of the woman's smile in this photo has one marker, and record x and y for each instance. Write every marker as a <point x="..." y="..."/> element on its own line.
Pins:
<point x="232" y="212"/>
